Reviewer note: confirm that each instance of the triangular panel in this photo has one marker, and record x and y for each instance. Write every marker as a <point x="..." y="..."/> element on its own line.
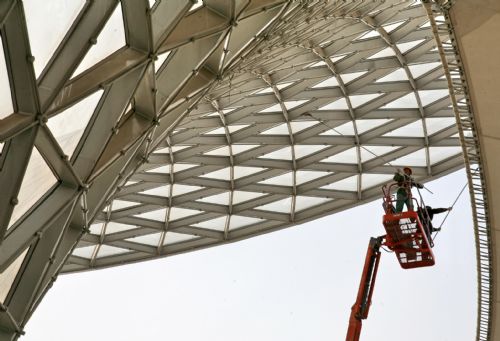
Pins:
<point x="281" y="206"/>
<point x="303" y="202"/>
<point x="111" y="38"/>
<point x="48" y="22"/>
<point x="37" y="180"/>
<point x="8" y="276"/>
<point x="69" y="125"/>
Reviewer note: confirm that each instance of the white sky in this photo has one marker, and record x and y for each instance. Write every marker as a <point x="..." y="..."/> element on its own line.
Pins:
<point x="293" y="285"/>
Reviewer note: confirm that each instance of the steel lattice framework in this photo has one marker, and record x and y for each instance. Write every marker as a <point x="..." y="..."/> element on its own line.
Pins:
<point x="211" y="124"/>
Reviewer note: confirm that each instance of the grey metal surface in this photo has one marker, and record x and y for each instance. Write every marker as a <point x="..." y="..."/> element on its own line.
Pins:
<point x="233" y="168"/>
<point x="472" y="26"/>
<point x="210" y="125"/>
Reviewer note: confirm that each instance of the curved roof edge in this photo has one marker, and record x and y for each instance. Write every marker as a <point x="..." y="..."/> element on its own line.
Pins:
<point x="472" y="27"/>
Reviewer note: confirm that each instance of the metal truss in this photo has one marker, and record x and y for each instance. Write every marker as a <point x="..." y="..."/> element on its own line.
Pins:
<point x="210" y="125"/>
<point x="457" y="83"/>
<point x="270" y="146"/>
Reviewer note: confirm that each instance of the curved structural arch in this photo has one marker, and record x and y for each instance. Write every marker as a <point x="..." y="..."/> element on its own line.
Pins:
<point x="474" y="26"/>
<point x="311" y="120"/>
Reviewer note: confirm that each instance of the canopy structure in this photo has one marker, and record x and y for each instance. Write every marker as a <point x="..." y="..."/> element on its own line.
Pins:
<point x="143" y="129"/>
<point x="304" y="125"/>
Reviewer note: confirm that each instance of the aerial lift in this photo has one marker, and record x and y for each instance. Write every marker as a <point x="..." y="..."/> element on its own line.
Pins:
<point x="408" y="236"/>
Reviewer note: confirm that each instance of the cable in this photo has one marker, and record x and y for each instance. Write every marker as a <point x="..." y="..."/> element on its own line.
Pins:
<point x="428" y="190"/>
<point x="338" y="132"/>
<point x="453" y="205"/>
<point x="448" y="213"/>
<point x="369" y="151"/>
<point x="397" y="169"/>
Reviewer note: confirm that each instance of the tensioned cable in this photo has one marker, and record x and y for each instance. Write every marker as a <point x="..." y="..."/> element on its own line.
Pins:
<point x="446" y="216"/>
<point x="448" y="213"/>
<point x="374" y="154"/>
<point x="338" y="132"/>
<point x="369" y="151"/>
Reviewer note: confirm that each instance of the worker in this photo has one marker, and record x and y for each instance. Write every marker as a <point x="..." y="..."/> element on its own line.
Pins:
<point x="426" y="214"/>
<point x="405" y="183"/>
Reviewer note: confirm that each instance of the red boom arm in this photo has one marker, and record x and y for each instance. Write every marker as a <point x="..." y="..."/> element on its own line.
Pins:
<point x="360" y="309"/>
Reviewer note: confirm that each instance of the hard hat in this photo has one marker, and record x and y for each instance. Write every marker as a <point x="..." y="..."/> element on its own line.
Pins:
<point x="409" y="170"/>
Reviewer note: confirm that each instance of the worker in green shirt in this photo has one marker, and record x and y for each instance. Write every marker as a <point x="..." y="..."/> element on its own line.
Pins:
<point x="405" y="183"/>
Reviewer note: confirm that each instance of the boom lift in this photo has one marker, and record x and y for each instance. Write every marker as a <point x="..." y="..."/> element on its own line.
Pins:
<point x="407" y="237"/>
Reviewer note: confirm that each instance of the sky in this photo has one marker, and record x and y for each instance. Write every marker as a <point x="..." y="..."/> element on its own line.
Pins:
<point x="292" y="285"/>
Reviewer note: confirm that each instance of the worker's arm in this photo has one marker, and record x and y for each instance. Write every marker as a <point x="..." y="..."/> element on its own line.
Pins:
<point x="439" y="210"/>
<point x="416" y="184"/>
<point x="402" y="178"/>
<point x="398" y="177"/>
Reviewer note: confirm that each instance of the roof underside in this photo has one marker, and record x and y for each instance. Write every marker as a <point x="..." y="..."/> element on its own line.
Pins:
<point x="280" y="115"/>
<point x="146" y="129"/>
<point x="140" y="129"/>
<point x="311" y="118"/>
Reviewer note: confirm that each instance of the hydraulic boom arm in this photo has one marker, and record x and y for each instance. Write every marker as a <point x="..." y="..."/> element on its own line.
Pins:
<point x="361" y="307"/>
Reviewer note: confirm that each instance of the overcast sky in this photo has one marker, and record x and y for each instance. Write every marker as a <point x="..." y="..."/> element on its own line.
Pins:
<point x="293" y="285"/>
